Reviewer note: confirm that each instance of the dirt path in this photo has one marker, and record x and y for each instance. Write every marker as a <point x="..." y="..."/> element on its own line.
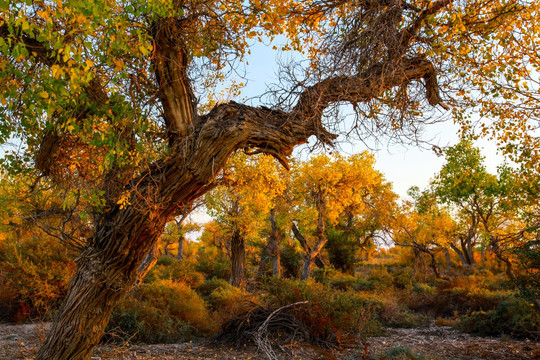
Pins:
<point x="18" y="342"/>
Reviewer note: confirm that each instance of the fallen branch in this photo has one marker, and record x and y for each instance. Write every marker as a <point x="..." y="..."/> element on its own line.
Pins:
<point x="261" y="337"/>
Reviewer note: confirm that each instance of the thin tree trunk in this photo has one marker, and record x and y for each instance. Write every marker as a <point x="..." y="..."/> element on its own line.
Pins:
<point x="465" y="252"/>
<point x="322" y="240"/>
<point x="434" y="265"/>
<point x="470" y="252"/>
<point x="276" y="268"/>
<point x="303" y="242"/>
<point x="182" y="237"/>
<point x="238" y="260"/>
<point x="500" y="255"/>
<point x="460" y="254"/>
<point x="180" y="253"/>
<point x="447" y="257"/>
<point x="306" y="268"/>
<point x="271" y="250"/>
<point x="147" y="264"/>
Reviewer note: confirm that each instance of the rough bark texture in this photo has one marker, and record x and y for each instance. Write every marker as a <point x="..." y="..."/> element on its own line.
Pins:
<point x="238" y="260"/>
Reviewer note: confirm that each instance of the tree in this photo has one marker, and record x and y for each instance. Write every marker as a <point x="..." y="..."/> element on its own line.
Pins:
<point x="326" y="188"/>
<point x="241" y="204"/>
<point x="485" y="204"/>
<point x="360" y="223"/>
<point x="115" y="82"/>
<point x="422" y="226"/>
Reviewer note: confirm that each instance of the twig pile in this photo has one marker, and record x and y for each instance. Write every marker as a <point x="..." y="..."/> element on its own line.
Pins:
<point x="262" y="327"/>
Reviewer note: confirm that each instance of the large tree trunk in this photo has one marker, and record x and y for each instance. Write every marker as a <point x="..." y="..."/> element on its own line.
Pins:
<point x="108" y="266"/>
<point x="238" y="260"/>
<point x="106" y="269"/>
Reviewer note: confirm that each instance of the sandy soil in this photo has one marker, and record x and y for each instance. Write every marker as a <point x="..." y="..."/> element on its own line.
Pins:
<point x="18" y="342"/>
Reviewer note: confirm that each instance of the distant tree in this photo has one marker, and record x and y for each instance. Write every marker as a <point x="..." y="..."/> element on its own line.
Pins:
<point x="242" y="202"/>
<point x="324" y="189"/>
<point x="423" y="226"/>
<point x="482" y="202"/>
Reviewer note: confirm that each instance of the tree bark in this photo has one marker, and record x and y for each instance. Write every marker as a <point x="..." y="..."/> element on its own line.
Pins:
<point x="271" y="250"/>
<point x="321" y="237"/>
<point x="238" y="260"/>
<point x="303" y="242"/>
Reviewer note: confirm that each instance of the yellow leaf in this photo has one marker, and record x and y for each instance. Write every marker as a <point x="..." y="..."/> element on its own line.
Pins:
<point x="44" y="94"/>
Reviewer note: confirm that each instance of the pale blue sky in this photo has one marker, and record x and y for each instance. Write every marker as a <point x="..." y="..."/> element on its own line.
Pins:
<point x="403" y="166"/>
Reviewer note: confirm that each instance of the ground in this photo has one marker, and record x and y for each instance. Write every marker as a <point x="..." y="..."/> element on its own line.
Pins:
<point x="18" y="342"/>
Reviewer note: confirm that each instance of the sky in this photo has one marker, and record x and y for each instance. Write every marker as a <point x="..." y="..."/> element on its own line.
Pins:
<point x="404" y="166"/>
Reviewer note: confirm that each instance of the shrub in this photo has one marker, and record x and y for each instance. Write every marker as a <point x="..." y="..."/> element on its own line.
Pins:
<point x="161" y="312"/>
<point x="380" y="277"/>
<point x="209" y="285"/>
<point x="230" y="301"/>
<point x="329" y="315"/>
<point x="514" y="317"/>
<point x="401" y="276"/>
<point x="340" y="281"/>
<point x="168" y="268"/>
<point x="34" y="276"/>
<point x="422" y="288"/>
<point x="290" y="261"/>
<point x="212" y="263"/>
<point x="401" y="353"/>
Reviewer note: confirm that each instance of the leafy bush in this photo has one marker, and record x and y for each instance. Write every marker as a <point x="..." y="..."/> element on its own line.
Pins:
<point x="380" y="277"/>
<point x="514" y="317"/>
<point x="209" y="285"/>
<point x="34" y="276"/>
<point x="329" y="315"/>
<point x="401" y="353"/>
<point x="161" y="312"/>
<point x="422" y="288"/>
<point x="230" y="301"/>
<point x="290" y="261"/>
<point x="401" y="276"/>
<point x="340" y="281"/>
<point x="212" y="263"/>
<point x="168" y="268"/>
